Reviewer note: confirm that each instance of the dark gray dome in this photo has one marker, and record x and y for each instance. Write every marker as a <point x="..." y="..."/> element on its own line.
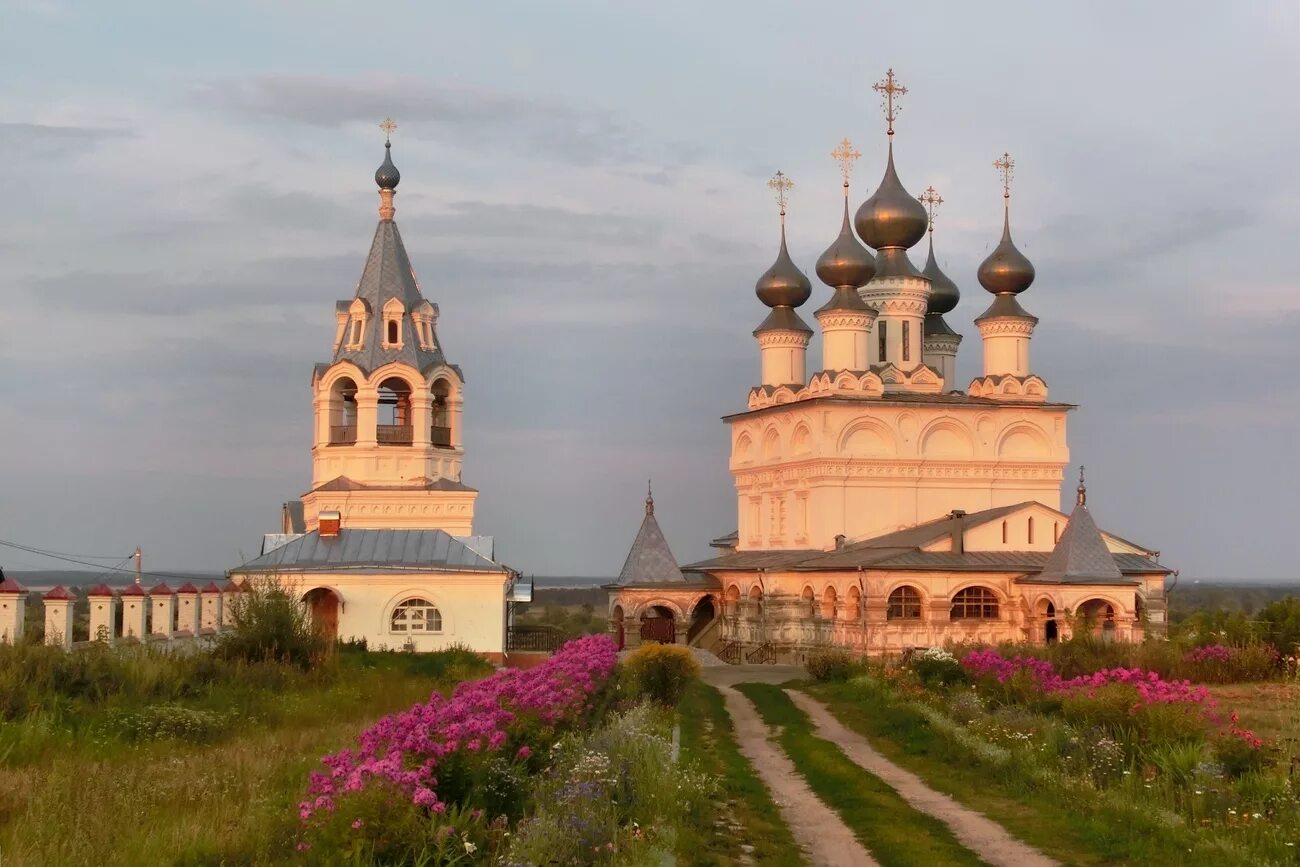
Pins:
<point x="846" y="262"/>
<point x="944" y="293"/>
<point x="783" y="285"/>
<point x="1006" y="270"/>
<point x="387" y="175"/>
<point x="892" y="217"/>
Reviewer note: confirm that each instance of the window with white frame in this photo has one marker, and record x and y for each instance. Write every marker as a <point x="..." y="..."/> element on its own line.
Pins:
<point x="416" y="615"/>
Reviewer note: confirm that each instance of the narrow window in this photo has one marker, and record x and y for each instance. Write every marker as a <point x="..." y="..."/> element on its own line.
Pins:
<point x="392" y="331"/>
<point x="356" y="332"/>
<point x="1004" y="532"/>
<point x="1056" y="532"/>
<point x="1031" y="531"/>
<point x="881" y="328"/>
<point x="907" y="341"/>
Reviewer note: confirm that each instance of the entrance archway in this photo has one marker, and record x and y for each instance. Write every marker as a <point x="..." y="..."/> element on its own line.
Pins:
<point x="1049" y="631"/>
<point x="657" y="624"/>
<point x="323" y="605"/>
<point x="701" y="616"/>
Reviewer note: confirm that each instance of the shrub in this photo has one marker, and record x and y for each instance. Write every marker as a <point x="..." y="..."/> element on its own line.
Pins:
<point x="662" y="672"/>
<point x="824" y="665"/>
<point x="270" y="624"/>
<point x="936" y="667"/>
<point x="1217" y="663"/>
<point x="161" y="722"/>
<point x="1279" y="625"/>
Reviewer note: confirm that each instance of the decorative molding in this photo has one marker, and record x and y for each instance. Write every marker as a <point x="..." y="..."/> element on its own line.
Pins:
<point x="1006" y="325"/>
<point x="806" y="471"/>
<point x="796" y="339"/>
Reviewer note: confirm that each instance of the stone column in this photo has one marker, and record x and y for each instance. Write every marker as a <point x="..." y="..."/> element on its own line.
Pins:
<point x="210" y="608"/>
<point x="187" y="606"/>
<point x="134" y="606"/>
<point x="13" y="611"/>
<point x="103" y="607"/>
<point x="162" y="601"/>
<point x="58" y="618"/>
<point x="367" y="416"/>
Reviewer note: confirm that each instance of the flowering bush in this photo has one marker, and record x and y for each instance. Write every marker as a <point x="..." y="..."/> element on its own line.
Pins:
<point x="1217" y="663"/>
<point x="443" y="752"/>
<point x="1149" y="686"/>
<point x="935" y="666"/>
<point x="661" y="672"/>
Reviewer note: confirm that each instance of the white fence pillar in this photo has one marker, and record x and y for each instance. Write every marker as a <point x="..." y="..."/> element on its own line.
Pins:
<point x="162" y="601"/>
<point x="135" y="605"/>
<point x="58" y="618"/>
<point x="103" y="607"/>
<point x="13" y="610"/>
<point x="210" y="608"/>
<point x="187" y="609"/>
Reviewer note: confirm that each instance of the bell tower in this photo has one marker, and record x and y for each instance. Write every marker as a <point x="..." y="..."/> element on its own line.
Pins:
<point x="388" y="447"/>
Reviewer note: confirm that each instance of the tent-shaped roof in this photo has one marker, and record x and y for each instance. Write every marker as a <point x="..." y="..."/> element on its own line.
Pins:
<point x="1080" y="556"/>
<point x="650" y="561"/>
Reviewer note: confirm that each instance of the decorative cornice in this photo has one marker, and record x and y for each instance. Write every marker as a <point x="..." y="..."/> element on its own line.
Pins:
<point x="843" y="320"/>
<point x="942" y="344"/>
<point x="1007" y="386"/>
<point x="894" y="468"/>
<point x="1006" y="325"/>
<point x="796" y="339"/>
<point x="896" y="306"/>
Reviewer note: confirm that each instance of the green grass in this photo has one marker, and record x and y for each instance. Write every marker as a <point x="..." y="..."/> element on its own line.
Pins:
<point x="895" y="832"/>
<point x="1074" y="826"/>
<point x="228" y="801"/>
<point x="709" y="740"/>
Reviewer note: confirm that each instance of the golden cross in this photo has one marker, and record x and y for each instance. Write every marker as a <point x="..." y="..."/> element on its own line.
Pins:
<point x="388" y="126"/>
<point x="932" y="200"/>
<point x="846" y="155"/>
<point x="1006" y="167"/>
<point x="781" y="185"/>
<point x="889" y="89"/>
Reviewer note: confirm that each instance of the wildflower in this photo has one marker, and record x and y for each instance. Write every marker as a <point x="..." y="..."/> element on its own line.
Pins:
<point x="356" y="824"/>
<point x="470" y="848"/>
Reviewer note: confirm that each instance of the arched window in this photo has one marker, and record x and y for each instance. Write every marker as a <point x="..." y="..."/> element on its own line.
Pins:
<point x="829" y="598"/>
<point x="392" y="331"/>
<point x="343" y="411"/>
<point x="904" y="604"/>
<point x="416" y="615"/>
<point x="975" y="603"/>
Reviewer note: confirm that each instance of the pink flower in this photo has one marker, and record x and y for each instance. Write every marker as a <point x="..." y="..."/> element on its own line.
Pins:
<point x="523" y="752"/>
<point x="356" y="824"/>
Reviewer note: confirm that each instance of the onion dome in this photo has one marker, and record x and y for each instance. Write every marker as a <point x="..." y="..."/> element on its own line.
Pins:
<point x="387" y="175"/>
<point x="846" y="263"/>
<point x="891" y="217"/>
<point x="1006" y="270"/>
<point x="783" y="285"/>
<point x="944" y="293"/>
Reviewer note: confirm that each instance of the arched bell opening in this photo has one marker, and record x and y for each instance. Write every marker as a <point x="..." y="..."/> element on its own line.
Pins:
<point x="440" y="420"/>
<point x="394" y="418"/>
<point x="342" y="401"/>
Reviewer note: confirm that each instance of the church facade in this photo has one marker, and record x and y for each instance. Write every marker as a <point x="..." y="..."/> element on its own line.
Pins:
<point x="382" y="546"/>
<point x="878" y="506"/>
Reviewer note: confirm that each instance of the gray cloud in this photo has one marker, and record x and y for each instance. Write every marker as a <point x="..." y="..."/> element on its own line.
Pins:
<point x="465" y="114"/>
<point x="35" y="139"/>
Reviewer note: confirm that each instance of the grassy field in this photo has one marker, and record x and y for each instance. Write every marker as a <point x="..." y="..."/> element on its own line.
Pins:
<point x="1271" y="709"/>
<point x="895" y="832"/>
<point x="747" y="816"/>
<point x="76" y="792"/>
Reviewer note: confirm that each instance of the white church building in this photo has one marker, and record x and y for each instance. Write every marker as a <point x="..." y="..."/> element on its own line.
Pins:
<point x="382" y="546"/>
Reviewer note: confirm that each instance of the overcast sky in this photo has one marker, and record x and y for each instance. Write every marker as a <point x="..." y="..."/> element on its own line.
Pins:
<point x="185" y="192"/>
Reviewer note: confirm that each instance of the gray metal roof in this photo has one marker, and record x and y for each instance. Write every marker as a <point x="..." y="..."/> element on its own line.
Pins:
<point x="901" y="550"/>
<point x="343" y="483"/>
<point x="388" y="274"/>
<point x="1080" y="556"/>
<point x="650" y="561"/>
<point x="363" y="550"/>
<point x="951" y="398"/>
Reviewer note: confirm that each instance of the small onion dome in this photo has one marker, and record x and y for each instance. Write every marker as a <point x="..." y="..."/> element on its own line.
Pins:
<point x="846" y="262"/>
<point x="892" y="217"/>
<point x="944" y="293"/>
<point x="1006" y="270"/>
<point x="783" y="319"/>
<point x="387" y="175"/>
<point x="783" y="285"/>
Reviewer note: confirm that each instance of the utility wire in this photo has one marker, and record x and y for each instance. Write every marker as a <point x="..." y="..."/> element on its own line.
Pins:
<point x="96" y="566"/>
